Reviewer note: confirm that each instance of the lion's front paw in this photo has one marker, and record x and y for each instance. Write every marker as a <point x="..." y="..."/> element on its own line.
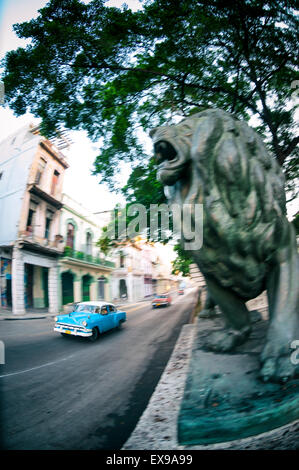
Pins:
<point x="207" y="313"/>
<point x="278" y="363"/>
<point x="226" y="340"/>
<point x="278" y="369"/>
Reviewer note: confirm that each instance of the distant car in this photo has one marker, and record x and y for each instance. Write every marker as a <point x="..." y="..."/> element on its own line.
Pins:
<point x="90" y="319"/>
<point x="181" y="291"/>
<point x="161" y="300"/>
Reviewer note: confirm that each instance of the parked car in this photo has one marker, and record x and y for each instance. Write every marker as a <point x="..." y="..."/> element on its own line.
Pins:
<point x="181" y="291"/>
<point x="161" y="300"/>
<point x="89" y="319"/>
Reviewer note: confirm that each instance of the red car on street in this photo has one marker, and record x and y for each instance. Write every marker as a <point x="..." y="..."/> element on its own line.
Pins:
<point x="161" y="300"/>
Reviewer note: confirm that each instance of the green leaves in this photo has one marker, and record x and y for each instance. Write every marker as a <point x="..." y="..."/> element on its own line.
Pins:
<point x="111" y="71"/>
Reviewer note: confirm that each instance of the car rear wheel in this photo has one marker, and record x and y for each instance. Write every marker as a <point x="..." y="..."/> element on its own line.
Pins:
<point x="95" y="335"/>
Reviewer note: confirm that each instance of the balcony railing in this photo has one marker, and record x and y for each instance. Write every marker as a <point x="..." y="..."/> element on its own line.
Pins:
<point x="80" y="255"/>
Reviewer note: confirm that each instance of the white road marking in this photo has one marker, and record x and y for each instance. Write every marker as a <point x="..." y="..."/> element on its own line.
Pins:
<point x="37" y="367"/>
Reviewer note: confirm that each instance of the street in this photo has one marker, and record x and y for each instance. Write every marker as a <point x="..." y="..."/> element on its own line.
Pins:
<point x="68" y="393"/>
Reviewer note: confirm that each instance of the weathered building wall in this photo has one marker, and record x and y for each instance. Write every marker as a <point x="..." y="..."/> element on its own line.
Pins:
<point x="16" y="154"/>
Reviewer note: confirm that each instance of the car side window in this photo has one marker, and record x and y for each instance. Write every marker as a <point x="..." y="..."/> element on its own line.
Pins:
<point x="111" y="308"/>
<point x="104" y="310"/>
<point x="97" y="310"/>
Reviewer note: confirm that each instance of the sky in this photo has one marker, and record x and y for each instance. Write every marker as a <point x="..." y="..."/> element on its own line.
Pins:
<point x="79" y="183"/>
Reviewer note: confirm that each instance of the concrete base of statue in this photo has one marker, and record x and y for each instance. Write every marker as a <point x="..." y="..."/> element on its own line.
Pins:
<point x="224" y="399"/>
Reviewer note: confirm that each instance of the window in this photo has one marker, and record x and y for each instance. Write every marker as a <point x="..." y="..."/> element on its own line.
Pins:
<point x="49" y="217"/>
<point x="29" y="226"/>
<point x="40" y="169"/>
<point x="70" y="235"/>
<point x="104" y="310"/>
<point x="88" y="243"/>
<point x="121" y="260"/>
<point x="31" y="217"/>
<point x="54" y="182"/>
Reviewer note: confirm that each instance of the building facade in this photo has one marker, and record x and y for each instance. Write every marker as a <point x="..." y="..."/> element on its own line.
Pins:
<point x="31" y="179"/>
<point x="84" y="273"/>
<point x="141" y="272"/>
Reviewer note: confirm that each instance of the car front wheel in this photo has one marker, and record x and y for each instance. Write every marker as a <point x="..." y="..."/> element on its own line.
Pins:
<point x="95" y="335"/>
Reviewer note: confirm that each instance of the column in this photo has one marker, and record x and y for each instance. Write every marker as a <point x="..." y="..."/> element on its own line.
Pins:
<point x="53" y="290"/>
<point x="78" y="289"/>
<point x="93" y="290"/>
<point x="131" y="289"/>
<point x="108" y="290"/>
<point x="17" y="282"/>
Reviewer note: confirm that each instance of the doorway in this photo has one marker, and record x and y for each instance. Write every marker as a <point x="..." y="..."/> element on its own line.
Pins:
<point x="123" y="292"/>
<point x="101" y="287"/>
<point x="67" y="283"/>
<point x="28" y="283"/>
<point x="86" y="281"/>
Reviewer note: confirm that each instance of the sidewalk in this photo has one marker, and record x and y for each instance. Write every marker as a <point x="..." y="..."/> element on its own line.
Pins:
<point x="37" y="314"/>
<point x="6" y="314"/>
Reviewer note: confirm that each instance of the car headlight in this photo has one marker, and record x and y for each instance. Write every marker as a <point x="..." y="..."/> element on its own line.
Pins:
<point x="55" y="318"/>
<point x="84" y="323"/>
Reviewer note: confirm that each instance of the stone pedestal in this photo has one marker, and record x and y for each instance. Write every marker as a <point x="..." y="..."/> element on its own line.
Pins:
<point x="225" y="400"/>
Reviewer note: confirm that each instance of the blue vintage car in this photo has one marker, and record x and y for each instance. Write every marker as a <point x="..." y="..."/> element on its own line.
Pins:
<point x="89" y="319"/>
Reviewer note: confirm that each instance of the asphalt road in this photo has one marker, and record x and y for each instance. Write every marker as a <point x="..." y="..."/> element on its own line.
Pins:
<point x="68" y="393"/>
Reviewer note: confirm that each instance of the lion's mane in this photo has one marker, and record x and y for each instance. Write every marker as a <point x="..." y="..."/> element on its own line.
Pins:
<point x="241" y="188"/>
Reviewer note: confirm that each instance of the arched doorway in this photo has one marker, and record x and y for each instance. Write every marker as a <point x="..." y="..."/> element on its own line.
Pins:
<point x="86" y="281"/>
<point x="67" y="282"/>
<point x="123" y="292"/>
<point x="101" y="287"/>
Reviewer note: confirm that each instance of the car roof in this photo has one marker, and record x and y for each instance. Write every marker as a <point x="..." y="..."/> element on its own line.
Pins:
<point x="97" y="303"/>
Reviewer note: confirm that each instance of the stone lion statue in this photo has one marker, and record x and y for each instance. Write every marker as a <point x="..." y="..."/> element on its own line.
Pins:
<point x="213" y="159"/>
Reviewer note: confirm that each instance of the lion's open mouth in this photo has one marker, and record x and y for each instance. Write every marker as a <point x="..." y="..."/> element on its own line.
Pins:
<point x="164" y="151"/>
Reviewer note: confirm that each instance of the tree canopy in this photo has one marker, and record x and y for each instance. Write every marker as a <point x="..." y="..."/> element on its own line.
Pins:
<point x="112" y="72"/>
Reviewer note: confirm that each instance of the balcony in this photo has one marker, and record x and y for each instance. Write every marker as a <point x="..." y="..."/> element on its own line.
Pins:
<point x="37" y="191"/>
<point x="81" y="256"/>
<point x="27" y="239"/>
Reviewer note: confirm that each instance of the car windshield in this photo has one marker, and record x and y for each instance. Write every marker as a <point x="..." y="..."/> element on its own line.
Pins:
<point x="162" y="296"/>
<point x="85" y="308"/>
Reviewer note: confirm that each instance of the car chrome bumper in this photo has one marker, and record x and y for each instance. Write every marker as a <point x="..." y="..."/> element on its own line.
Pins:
<point x="85" y="332"/>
